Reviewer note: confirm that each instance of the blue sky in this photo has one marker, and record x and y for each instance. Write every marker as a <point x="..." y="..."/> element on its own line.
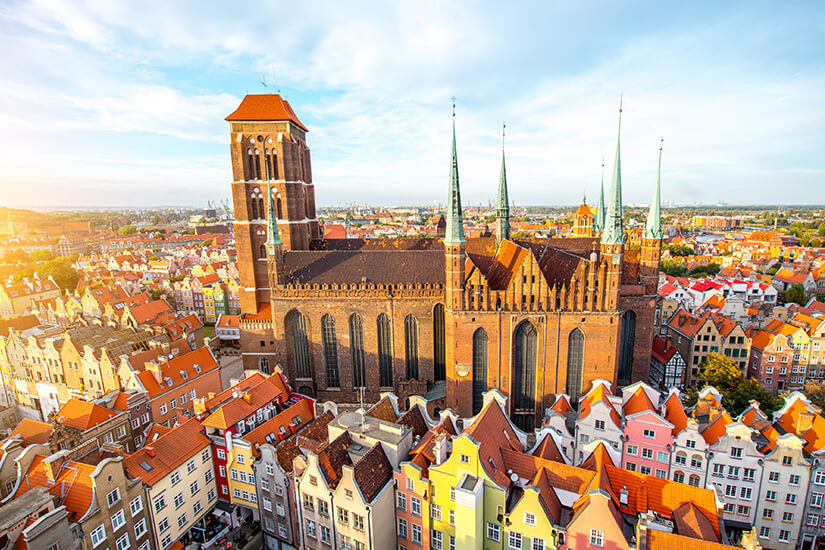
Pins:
<point x="109" y="103"/>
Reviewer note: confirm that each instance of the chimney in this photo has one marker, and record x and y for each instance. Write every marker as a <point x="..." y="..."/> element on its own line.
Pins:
<point x="154" y="368"/>
<point x="210" y="395"/>
<point x="641" y="498"/>
<point x="440" y="448"/>
<point x="623" y="496"/>
<point x="247" y="397"/>
<point x="53" y="464"/>
<point x="804" y="422"/>
<point x="150" y="450"/>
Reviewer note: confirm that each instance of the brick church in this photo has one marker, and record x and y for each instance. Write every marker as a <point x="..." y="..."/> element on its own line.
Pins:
<point x="453" y="316"/>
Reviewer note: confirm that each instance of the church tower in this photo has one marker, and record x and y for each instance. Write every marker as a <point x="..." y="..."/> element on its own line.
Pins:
<point x="503" y="202"/>
<point x="612" y="240"/>
<point x="583" y="220"/>
<point x="652" y="237"/>
<point x="454" y="237"/>
<point x="269" y="155"/>
<point x="598" y="224"/>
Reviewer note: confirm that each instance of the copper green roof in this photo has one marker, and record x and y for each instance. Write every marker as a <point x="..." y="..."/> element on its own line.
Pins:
<point x="653" y="227"/>
<point x="455" y="218"/>
<point x="613" y="232"/>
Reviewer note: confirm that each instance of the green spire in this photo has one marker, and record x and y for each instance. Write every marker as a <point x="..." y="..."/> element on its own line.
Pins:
<point x="273" y="236"/>
<point x="503" y="203"/>
<point x="598" y="225"/>
<point x="653" y="228"/>
<point x="455" y="218"/>
<point x="584" y="197"/>
<point x="613" y="232"/>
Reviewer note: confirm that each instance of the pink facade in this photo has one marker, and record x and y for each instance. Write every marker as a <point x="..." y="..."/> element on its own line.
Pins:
<point x="648" y="439"/>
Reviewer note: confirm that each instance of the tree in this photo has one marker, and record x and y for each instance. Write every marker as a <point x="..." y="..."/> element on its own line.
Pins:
<point x="816" y="393"/>
<point x="672" y="268"/>
<point x="65" y="277"/>
<point x="680" y="250"/>
<point x="772" y="270"/>
<point x="737" y="391"/>
<point x="16" y="255"/>
<point x="820" y="231"/>
<point x="708" y="270"/>
<point x="795" y="294"/>
<point x="42" y="256"/>
<point x="127" y="230"/>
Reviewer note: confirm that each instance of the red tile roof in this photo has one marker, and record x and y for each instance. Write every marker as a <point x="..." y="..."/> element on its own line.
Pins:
<point x="234" y="409"/>
<point x="264" y="107"/>
<point x="82" y="415"/>
<point x="180" y="371"/>
<point x="675" y="413"/>
<point x="72" y="485"/>
<point x="494" y="433"/>
<point x="372" y="472"/>
<point x="290" y="419"/>
<point x="332" y="457"/>
<point x="155" y="460"/>
<point x="33" y="431"/>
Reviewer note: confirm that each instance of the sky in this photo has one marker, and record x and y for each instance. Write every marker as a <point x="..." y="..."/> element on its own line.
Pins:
<point x="107" y="103"/>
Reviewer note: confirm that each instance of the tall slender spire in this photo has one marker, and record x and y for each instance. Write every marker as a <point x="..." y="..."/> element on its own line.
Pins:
<point x="599" y="223"/>
<point x="653" y="227"/>
<point x="273" y="236"/>
<point x="503" y="203"/>
<point x="613" y="232"/>
<point x="455" y="217"/>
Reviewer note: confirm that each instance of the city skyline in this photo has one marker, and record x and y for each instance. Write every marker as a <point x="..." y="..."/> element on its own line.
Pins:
<point x="132" y="102"/>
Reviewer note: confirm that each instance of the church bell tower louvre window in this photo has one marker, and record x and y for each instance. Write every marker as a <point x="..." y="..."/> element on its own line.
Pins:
<point x="480" y="343"/>
<point x="330" y="343"/>
<point x="575" y="364"/>
<point x="411" y="345"/>
<point x="384" y="350"/>
<point x="300" y="344"/>
<point x="356" y="340"/>
<point x="439" y="343"/>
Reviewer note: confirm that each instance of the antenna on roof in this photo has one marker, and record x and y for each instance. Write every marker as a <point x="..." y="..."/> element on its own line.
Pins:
<point x="263" y="81"/>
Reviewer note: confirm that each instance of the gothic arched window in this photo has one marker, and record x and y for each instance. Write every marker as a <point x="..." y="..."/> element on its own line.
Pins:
<point x="262" y="252"/>
<point x="480" y="343"/>
<point x="524" y="372"/>
<point x="626" y="348"/>
<point x="300" y="344"/>
<point x="411" y="345"/>
<point x="439" y="343"/>
<point x="575" y="364"/>
<point x="384" y="351"/>
<point x="254" y="208"/>
<point x="330" y="343"/>
<point x="278" y="208"/>
<point x="356" y="344"/>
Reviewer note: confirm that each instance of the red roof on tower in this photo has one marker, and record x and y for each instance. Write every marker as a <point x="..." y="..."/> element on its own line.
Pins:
<point x="265" y="107"/>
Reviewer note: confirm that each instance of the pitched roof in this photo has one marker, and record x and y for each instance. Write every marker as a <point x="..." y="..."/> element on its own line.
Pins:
<point x="230" y="410"/>
<point x="264" y="107"/>
<point x="72" y="485"/>
<point x="311" y="435"/>
<point x="414" y="418"/>
<point x="383" y="410"/>
<point x="599" y="392"/>
<point x="662" y="540"/>
<point x="372" y="472"/>
<point x="675" y="413"/>
<point x="179" y="371"/>
<point x="33" y="431"/>
<point x="693" y="522"/>
<point x="717" y="428"/>
<point x="82" y="415"/>
<point x="638" y="402"/>
<point x="494" y="433"/>
<point x="661" y="351"/>
<point x="388" y="266"/>
<point x="332" y="457"/>
<point x="154" y="461"/>
<point x="290" y="419"/>
<point x="547" y="449"/>
<point x="561" y="405"/>
<point x="560" y="475"/>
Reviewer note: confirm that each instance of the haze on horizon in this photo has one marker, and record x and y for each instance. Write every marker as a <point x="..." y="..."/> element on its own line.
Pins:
<point x="115" y="104"/>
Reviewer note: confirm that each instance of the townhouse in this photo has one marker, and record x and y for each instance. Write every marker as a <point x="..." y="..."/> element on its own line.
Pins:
<point x="648" y="437"/>
<point x="16" y="297"/>
<point x="599" y="419"/>
<point x="688" y="454"/>
<point x="105" y="504"/>
<point x="176" y="471"/>
<point x="79" y="422"/>
<point x="667" y="366"/>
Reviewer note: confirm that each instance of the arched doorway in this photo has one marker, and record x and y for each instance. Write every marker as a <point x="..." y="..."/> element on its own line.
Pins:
<point x="525" y="345"/>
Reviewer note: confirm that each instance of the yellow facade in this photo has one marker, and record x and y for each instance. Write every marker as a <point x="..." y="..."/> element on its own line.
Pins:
<point x="240" y="475"/>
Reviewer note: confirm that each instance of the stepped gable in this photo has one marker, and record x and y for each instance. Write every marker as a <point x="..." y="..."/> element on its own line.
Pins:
<point x="387" y="266"/>
<point x="367" y="245"/>
<point x="372" y="472"/>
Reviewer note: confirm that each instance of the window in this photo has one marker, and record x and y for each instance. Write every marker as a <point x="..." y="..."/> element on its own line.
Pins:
<point x="310" y="530"/>
<point x="435" y="512"/>
<point x="401" y="501"/>
<point x="816" y="500"/>
<point x="323" y="507"/>
<point x="182" y="520"/>
<point x="113" y="497"/>
<point x="661" y="473"/>
<point x="575" y="359"/>
<point x="221" y="454"/>
<point x="343" y="516"/>
<point x="356" y="338"/>
<point x="767" y="513"/>
<point x="794" y="480"/>
<point x="136" y="505"/>
<point x="410" y="484"/>
<point x="650" y="434"/>
<point x="196" y="507"/>
<point x="787" y="460"/>
<point x="773" y="477"/>
<point x="480" y="347"/>
<point x="599" y="425"/>
<point x="194" y="487"/>
<point x="210" y="495"/>
<point x="812" y="520"/>
<point x="190" y="466"/>
<point x="790" y="498"/>
<point x="239" y="458"/>
<point x="162" y="409"/>
<point x="279" y="509"/>
<point x="661" y="456"/>
<point x="743" y="510"/>
<point x="465" y="459"/>
<point x="160" y="503"/>
<point x="416" y="533"/>
<point x="748" y="474"/>
<point x="770" y="496"/>
<point x="736" y="452"/>
<point x="140" y="528"/>
<point x="175" y="478"/>
<point x="647" y="453"/>
<point x="730" y="490"/>
<point x="493" y="532"/>
<point x="166" y="541"/>
<point x="358" y="522"/>
<point x="819" y="478"/>
<point x="679" y="477"/>
<point x="118" y="520"/>
<point x="330" y="345"/>
<point x="452" y="494"/>
<point x="178" y="500"/>
<point x="402" y="528"/>
<point x="787" y="517"/>
<point x="538" y="544"/>
<point x="309" y="502"/>
<point x="451" y="517"/>
<point x="163" y="525"/>
<point x="411" y="346"/>
<point x="415" y="506"/>
<point x="745" y="493"/>
<point x="514" y="540"/>
<point x="122" y="542"/>
<point x="326" y="537"/>
<point x="207" y="476"/>
<point x="436" y="540"/>
<point x="784" y="535"/>
<point x="633" y="450"/>
<point x="733" y="472"/>
<point x="98" y="535"/>
<point x="718" y="470"/>
<point x="596" y="538"/>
